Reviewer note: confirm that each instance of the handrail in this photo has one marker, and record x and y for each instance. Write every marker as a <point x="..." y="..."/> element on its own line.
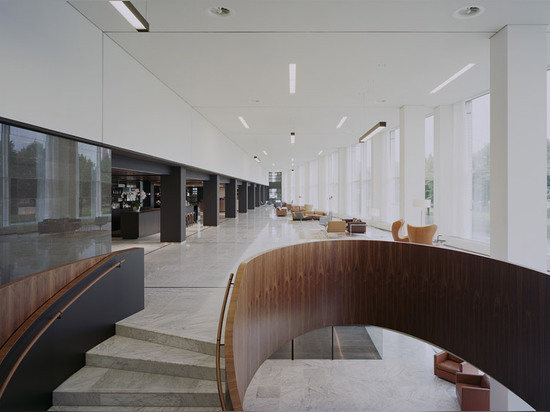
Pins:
<point x="52" y="320"/>
<point x="218" y="343"/>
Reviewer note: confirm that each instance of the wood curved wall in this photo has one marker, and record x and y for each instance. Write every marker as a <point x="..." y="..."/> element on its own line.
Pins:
<point x="491" y="313"/>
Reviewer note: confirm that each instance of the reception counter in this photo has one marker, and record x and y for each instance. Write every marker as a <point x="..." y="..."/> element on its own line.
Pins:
<point x="139" y="224"/>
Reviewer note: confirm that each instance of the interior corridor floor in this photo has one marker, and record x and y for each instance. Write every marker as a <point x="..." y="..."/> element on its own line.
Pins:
<point x="184" y="287"/>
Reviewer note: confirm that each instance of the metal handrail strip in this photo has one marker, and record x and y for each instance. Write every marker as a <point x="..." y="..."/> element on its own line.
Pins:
<point x="50" y="322"/>
<point x="218" y="344"/>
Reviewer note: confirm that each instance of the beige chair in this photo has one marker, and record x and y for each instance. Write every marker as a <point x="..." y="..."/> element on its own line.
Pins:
<point x="336" y="226"/>
<point x="396" y="228"/>
<point x="422" y="234"/>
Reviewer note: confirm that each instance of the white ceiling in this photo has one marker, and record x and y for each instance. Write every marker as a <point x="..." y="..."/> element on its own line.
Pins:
<point x="358" y="58"/>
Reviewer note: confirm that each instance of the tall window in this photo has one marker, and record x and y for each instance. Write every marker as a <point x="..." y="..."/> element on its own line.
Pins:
<point x="394" y="165"/>
<point x="356" y="197"/>
<point x="332" y="179"/>
<point x="366" y="179"/>
<point x="314" y="183"/>
<point x="429" y="169"/>
<point x="478" y="111"/>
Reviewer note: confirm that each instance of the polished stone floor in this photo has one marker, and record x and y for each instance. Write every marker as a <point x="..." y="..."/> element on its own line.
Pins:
<point x="184" y="287"/>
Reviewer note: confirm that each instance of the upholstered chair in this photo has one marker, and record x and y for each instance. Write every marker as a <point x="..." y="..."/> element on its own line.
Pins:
<point x="447" y="365"/>
<point x="473" y="392"/>
<point x="336" y="226"/>
<point x="422" y="234"/>
<point x="396" y="228"/>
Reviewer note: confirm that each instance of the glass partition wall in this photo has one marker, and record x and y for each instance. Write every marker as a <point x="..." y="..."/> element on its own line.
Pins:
<point x="56" y="201"/>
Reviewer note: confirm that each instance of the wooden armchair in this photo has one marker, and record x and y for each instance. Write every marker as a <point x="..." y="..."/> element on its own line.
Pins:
<point x="422" y="234"/>
<point x="396" y="228"/>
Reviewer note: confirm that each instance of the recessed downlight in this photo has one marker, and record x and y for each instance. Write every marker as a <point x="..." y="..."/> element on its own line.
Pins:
<point x="468" y="12"/>
<point x="219" y="11"/>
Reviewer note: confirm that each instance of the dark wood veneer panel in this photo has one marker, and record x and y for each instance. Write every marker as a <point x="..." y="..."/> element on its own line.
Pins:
<point x="489" y="312"/>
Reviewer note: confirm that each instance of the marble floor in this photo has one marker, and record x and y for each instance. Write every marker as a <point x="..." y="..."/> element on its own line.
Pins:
<point x="184" y="287"/>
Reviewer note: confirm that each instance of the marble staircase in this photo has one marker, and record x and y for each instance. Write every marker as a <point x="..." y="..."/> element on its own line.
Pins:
<point x="138" y="369"/>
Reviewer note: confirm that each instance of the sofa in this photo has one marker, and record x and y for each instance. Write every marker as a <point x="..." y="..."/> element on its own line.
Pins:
<point x="355" y="225"/>
<point x="447" y="365"/>
<point x="58" y="225"/>
<point x="473" y="392"/>
<point x="301" y="216"/>
<point x="282" y="211"/>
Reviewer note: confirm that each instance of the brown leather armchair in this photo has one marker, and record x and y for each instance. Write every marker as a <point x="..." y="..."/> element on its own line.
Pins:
<point x="473" y="392"/>
<point x="422" y="234"/>
<point x="396" y="228"/>
<point x="447" y="365"/>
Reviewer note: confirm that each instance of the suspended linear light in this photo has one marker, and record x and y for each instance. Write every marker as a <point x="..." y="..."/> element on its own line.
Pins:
<point x="256" y="158"/>
<point x="375" y="129"/>
<point x="292" y="137"/>
<point x="131" y="14"/>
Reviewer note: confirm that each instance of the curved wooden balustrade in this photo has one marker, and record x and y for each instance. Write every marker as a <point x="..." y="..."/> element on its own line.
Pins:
<point x="494" y="314"/>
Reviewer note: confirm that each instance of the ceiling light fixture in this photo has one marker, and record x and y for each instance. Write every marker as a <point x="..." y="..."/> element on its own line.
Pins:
<point x="453" y="77"/>
<point x="131" y="14"/>
<point x="256" y="158"/>
<point x="342" y="122"/>
<point x="244" y="122"/>
<point x="265" y="153"/>
<point x="292" y="137"/>
<point x="320" y="152"/>
<point x="375" y="129"/>
<point x="468" y="12"/>
<point x="292" y="77"/>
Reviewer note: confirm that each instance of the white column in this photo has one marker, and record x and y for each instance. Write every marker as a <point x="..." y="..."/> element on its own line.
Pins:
<point x="304" y="171"/>
<point x="412" y="159"/>
<point x="518" y="145"/>
<point x="379" y="159"/>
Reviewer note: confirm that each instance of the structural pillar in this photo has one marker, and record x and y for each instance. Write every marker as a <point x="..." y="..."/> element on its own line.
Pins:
<point x="172" y="216"/>
<point x="243" y="197"/>
<point x="412" y="159"/>
<point x="256" y="195"/>
<point x="231" y="198"/>
<point x="211" y="201"/>
<point x="251" y="196"/>
<point x="518" y="145"/>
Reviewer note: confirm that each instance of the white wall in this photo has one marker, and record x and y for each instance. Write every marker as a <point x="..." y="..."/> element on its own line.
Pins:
<point x="60" y="72"/>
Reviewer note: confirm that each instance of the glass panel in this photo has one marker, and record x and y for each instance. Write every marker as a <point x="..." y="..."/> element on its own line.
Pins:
<point x="429" y="169"/>
<point x="56" y="201"/>
<point x="480" y="125"/>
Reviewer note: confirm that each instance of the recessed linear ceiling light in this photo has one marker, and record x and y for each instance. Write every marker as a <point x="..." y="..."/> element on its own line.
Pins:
<point x="342" y="122"/>
<point x="453" y="77"/>
<point x="131" y="14"/>
<point x="265" y="153"/>
<point x="292" y="137"/>
<point x="320" y="152"/>
<point x="375" y="129"/>
<point x="256" y="158"/>
<point x="292" y="77"/>
<point x="244" y="122"/>
<point x="292" y="159"/>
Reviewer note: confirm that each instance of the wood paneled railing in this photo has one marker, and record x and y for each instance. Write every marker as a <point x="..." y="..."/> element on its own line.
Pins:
<point x="494" y="314"/>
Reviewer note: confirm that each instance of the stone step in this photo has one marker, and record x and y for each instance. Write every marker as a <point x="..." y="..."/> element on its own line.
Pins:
<point x="162" y="338"/>
<point x="133" y="408"/>
<point x="120" y="352"/>
<point x="114" y="387"/>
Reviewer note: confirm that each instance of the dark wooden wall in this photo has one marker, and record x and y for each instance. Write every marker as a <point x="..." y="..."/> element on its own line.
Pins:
<point x="491" y="313"/>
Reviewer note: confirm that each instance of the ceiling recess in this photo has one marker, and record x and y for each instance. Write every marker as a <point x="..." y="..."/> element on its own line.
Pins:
<point x="219" y="11"/>
<point x="468" y="12"/>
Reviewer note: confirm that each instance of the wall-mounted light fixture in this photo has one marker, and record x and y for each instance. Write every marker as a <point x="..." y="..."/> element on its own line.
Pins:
<point x="256" y="158"/>
<point x="131" y="14"/>
<point x="375" y="129"/>
<point x="292" y="137"/>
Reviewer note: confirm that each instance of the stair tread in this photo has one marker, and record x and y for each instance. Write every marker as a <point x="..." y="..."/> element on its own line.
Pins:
<point x="128" y="348"/>
<point x="103" y="380"/>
